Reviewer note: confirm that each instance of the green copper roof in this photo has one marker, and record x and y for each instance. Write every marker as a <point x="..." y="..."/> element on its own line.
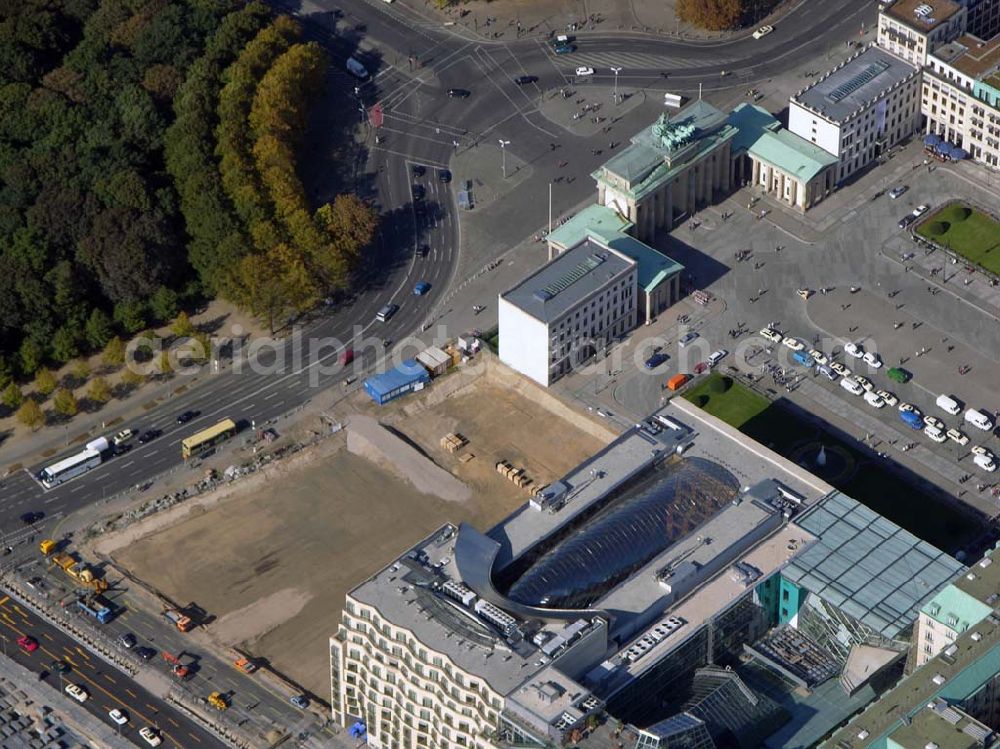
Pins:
<point x="955" y="608"/>
<point x="608" y="227"/>
<point x="791" y="154"/>
<point x="750" y="122"/>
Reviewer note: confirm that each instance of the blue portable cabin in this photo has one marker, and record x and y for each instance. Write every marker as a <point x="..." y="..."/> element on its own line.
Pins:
<point x="913" y="419"/>
<point x="404" y="378"/>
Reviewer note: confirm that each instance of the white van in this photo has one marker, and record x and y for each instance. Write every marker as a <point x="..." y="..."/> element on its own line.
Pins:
<point x="979" y="420"/>
<point x="948" y="404"/>
<point x="934" y="433"/>
<point x="386" y="312"/>
<point x="985" y="462"/>
<point x="851" y="386"/>
<point x="874" y="400"/>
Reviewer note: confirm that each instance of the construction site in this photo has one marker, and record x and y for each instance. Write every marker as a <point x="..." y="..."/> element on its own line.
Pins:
<point x="278" y="551"/>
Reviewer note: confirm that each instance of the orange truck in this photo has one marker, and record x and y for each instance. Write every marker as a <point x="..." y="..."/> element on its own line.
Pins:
<point x="677" y="381"/>
<point x="182" y="622"/>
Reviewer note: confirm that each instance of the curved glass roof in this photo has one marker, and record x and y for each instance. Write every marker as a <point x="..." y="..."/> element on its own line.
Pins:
<point x="652" y="514"/>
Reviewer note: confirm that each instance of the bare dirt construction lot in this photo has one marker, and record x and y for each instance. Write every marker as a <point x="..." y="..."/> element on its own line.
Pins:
<point x="274" y="562"/>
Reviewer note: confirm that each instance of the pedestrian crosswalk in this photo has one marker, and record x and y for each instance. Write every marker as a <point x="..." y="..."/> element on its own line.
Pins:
<point x="635" y="61"/>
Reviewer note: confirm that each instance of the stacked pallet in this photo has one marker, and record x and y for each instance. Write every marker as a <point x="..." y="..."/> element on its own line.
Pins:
<point x="453" y="442"/>
<point x="515" y="475"/>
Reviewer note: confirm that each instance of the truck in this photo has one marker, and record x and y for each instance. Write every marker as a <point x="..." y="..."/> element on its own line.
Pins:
<point x="48" y="546"/>
<point x="218" y="700"/>
<point x="63" y="561"/>
<point x="95" y="606"/>
<point x="179" y="620"/>
<point x="245" y="665"/>
<point x="356" y="69"/>
<point x="801" y="357"/>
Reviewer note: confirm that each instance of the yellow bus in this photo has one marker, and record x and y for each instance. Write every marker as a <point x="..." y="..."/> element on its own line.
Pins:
<point x="206" y="438"/>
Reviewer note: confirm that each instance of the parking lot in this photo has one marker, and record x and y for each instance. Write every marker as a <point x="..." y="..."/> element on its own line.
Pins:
<point x="940" y="326"/>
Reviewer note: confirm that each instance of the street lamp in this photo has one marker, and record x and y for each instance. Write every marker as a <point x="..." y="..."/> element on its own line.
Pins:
<point x="616" y="71"/>
<point x="503" y="157"/>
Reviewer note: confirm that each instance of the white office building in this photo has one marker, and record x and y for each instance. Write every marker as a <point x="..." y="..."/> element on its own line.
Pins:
<point x="912" y="29"/>
<point x="960" y="98"/>
<point x="570" y="309"/>
<point x="859" y="109"/>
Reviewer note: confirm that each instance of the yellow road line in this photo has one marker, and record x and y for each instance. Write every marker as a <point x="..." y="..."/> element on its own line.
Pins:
<point x="173" y="722"/>
<point x="4" y="600"/>
<point x="48" y="637"/>
<point x="131" y="693"/>
<point x="194" y="737"/>
<point x="109" y="678"/>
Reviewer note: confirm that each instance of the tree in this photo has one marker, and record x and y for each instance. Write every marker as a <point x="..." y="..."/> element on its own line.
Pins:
<point x="64" y="402"/>
<point x="12" y="397"/>
<point x="164" y="303"/>
<point x="81" y="370"/>
<point x="131" y="315"/>
<point x="45" y="381"/>
<point x="99" y="391"/>
<point x="182" y="326"/>
<point x="132" y="379"/>
<point x="114" y="352"/>
<point x="350" y="223"/>
<point x="31" y="356"/>
<point x="98" y="330"/>
<point x="164" y="367"/>
<point x="30" y="414"/>
<point x="715" y="15"/>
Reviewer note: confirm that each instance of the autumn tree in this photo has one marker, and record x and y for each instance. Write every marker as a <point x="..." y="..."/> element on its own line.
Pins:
<point x="64" y="402"/>
<point x="12" y="397"/>
<point x="45" y="381"/>
<point x="715" y="15"/>
<point x="114" y="353"/>
<point x="99" y="391"/>
<point x="30" y="414"/>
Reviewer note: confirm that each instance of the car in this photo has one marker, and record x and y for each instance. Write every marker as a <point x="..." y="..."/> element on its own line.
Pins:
<point x="908" y="219"/>
<point x="385" y="313"/>
<point x="685" y="339"/>
<point x="865" y="383"/>
<point x="872" y="360"/>
<point x="909" y="408"/>
<point x="763" y="31"/>
<point x="423" y="250"/>
<point x="418" y="191"/>
<point x="854" y="349"/>
<point x="150" y="735"/>
<point x="935" y="434"/>
<point x="444" y="176"/>
<point x="123" y="436"/>
<point x="716" y="356"/>
<point x="655" y="360"/>
<point x="840" y="369"/>
<point x="524" y="80"/>
<point x="584" y="71"/>
<point x="419" y="170"/>
<point x="27" y="643"/>
<point x="920" y="210"/>
<point x="888" y="397"/>
<point x="148" y="436"/>
<point x="120" y="717"/>
<point x="874" y="400"/>
<point x="827" y="372"/>
<point x="818" y="356"/>
<point x="59" y="666"/>
<point x="958" y="436"/>
<point x="185" y="417"/>
<point x="897" y="191"/>
<point x="793" y="343"/>
<point x="564" y="49"/>
<point x="145" y="653"/>
<point x="421" y="288"/>
<point x="30" y="518"/>
<point x="459" y="93"/>
<point x="986" y="462"/>
<point x="774" y="336"/>
<point x="77" y="692"/>
<point x="933" y="421"/>
<point x="979" y="450"/>
<point x="346" y="356"/>
<point x="127" y="640"/>
<point x="300" y="701"/>
<point x="804" y="293"/>
<point x="898" y="374"/>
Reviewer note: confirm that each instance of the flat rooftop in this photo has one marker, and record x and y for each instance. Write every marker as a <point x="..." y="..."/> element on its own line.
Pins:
<point x="400" y="593"/>
<point x="976" y="661"/>
<point x="854" y="84"/>
<point x="867" y="566"/>
<point x="970" y="55"/>
<point x="944" y="727"/>
<point x="568" y="279"/>
<point x="982" y="581"/>
<point x="905" y="11"/>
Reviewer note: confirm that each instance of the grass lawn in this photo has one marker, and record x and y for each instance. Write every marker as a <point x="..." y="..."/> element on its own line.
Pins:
<point x="727" y="400"/>
<point x="966" y="230"/>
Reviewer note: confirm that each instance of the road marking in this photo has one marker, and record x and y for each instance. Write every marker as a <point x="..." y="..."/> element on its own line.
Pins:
<point x="131" y="693"/>
<point x="173" y="722"/>
<point x="4" y="600"/>
<point x="194" y="737"/>
<point x="109" y="678"/>
<point x="272" y="395"/>
<point x="126" y="465"/>
<point x="48" y="637"/>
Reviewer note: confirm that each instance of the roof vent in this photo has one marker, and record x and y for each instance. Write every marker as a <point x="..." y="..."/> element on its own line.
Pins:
<point x="938" y="679"/>
<point x="923" y="10"/>
<point x="930" y="745"/>
<point x="863" y="734"/>
<point x="976" y="637"/>
<point x="970" y="576"/>
<point x="985" y="562"/>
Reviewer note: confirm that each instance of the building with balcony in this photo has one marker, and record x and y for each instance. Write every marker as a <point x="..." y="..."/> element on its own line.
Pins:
<point x="859" y="109"/>
<point x="625" y="589"/>
<point x="960" y="97"/>
<point x="912" y="29"/>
